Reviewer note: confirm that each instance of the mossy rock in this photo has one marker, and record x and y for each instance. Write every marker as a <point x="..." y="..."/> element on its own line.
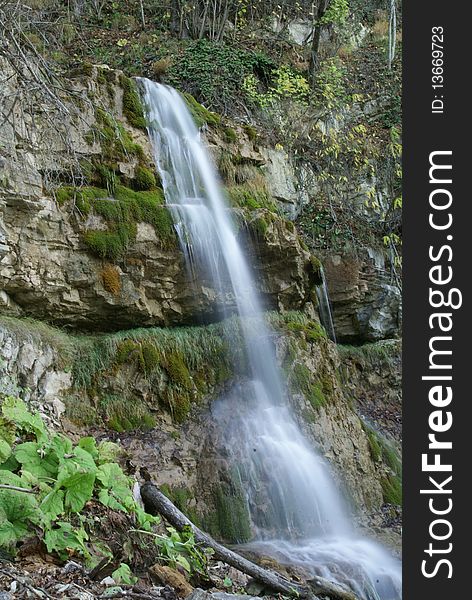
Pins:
<point x="230" y="135"/>
<point x="144" y="179"/>
<point x="306" y="384"/>
<point x="126" y="414"/>
<point x="392" y="490"/>
<point x="132" y="106"/>
<point x="182" y="497"/>
<point x="201" y="115"/>
<point x="230" y="521"/>
<point x="121" y="210"/>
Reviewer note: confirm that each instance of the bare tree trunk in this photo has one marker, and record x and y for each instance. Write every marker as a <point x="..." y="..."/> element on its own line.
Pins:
<point x="156" y="502"/>
<point x="316" y="38"/>
<point x="141" y="9"/>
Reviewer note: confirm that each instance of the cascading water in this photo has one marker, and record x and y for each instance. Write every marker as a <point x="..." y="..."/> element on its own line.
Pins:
<point x="324" y="304"/>
<point x="303" y="519"/>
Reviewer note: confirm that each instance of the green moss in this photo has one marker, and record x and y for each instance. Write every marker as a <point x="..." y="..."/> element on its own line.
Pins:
<point x="109" y="245"/>
<point x="132" y="106"/>
<point x="230" y="521"/>
<point x="122" y="213"/>
<point x="182" y="497"/>
<point x="383" y="450"/>
<point x="311" y="330"/>
<point x="151" y="356"/>
<point x="251" y="195"/>
<point x="374" y="443"/>
<point x="178" y="402"/>
<point x="230" y="135"/>
<point x="312" y="390"/>
<point x="107" y="178"/>
<point x="125" y="414"/>
<point x="128" y="352"/>
<point x="392" y="490"/>
<point x="116" y="143"/>
<point x="251" y="132"/>
<point x="200" y="114"/>
<point x="177" y="370"/>
<point x="144" y="179"/>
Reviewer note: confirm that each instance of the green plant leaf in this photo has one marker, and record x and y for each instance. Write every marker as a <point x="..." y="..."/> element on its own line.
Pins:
<point x="66" y="540"/>
<point x="78" y="490"/>
<point x="183" y="562"/>
<point x="36" y="459"/>
<point x="17" y="509"/>
<point x="124" y="575"/>
<point x="117" y="493"/>
<point x="52" y="505"/>
<point x="108" y="452"/>
<point x="89" y="444"/>
<point x="5" y="450"/>
<point x="15" y="410"/>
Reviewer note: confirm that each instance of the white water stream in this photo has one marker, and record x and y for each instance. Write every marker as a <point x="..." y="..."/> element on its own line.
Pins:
<point x="305" y="521"/>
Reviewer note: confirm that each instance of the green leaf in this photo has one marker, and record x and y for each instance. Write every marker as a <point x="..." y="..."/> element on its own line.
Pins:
<point x="7" y="431"/>
<point x="15" y="410"/>
<point x="183" y="562"/>
<point x="17" y="509"/>
<point x="52" y="505"/>
<point x="117" y="493"/>
<point x="124" y="575"/>
<point x="89" y="444"/>
<point x="79" y="490"/>
<point x="5" y="450"/>
<point x="36" y="459"/>
<point x="66" y="540"/>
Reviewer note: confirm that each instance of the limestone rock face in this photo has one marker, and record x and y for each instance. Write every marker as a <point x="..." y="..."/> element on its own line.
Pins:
<point x="47" y="271"/>
<point x="365" y="299"/>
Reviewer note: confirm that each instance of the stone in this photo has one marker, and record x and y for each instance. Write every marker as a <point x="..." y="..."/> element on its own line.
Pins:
<point x="366" y="303"/>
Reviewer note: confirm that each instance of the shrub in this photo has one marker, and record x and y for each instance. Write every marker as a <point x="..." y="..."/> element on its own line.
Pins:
<point x="111" y="279"/>
<point x="214" y="73"/>
<point x="160" y="67"/>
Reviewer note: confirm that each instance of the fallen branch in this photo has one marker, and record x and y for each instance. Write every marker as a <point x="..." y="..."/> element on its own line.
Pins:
<point x="156" y="502"/>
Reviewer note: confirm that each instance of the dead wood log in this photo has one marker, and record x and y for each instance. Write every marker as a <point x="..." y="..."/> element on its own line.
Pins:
<point x="157" y="503"/>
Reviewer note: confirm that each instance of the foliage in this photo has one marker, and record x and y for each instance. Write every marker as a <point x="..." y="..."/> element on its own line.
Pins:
<point x="285" y="84"/>
<point x="60" y="479"/>
<point x="330" y="90"/>
<point x="111" y="279"/>
<point x="337" y="12"/>
<point x="214" y="73"/>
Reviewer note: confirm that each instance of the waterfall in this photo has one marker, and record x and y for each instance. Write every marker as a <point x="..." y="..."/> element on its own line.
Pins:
<point x="324" y="304"/>
<point x="302" y="519"/>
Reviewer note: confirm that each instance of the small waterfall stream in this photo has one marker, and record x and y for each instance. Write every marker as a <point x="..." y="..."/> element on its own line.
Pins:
<point x="305" y="520"/>
<point x="326" y="314"/>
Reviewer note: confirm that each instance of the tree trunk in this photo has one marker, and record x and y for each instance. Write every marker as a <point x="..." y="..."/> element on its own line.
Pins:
<point x="156" y="502"/>
<point x="316" y="38"/>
